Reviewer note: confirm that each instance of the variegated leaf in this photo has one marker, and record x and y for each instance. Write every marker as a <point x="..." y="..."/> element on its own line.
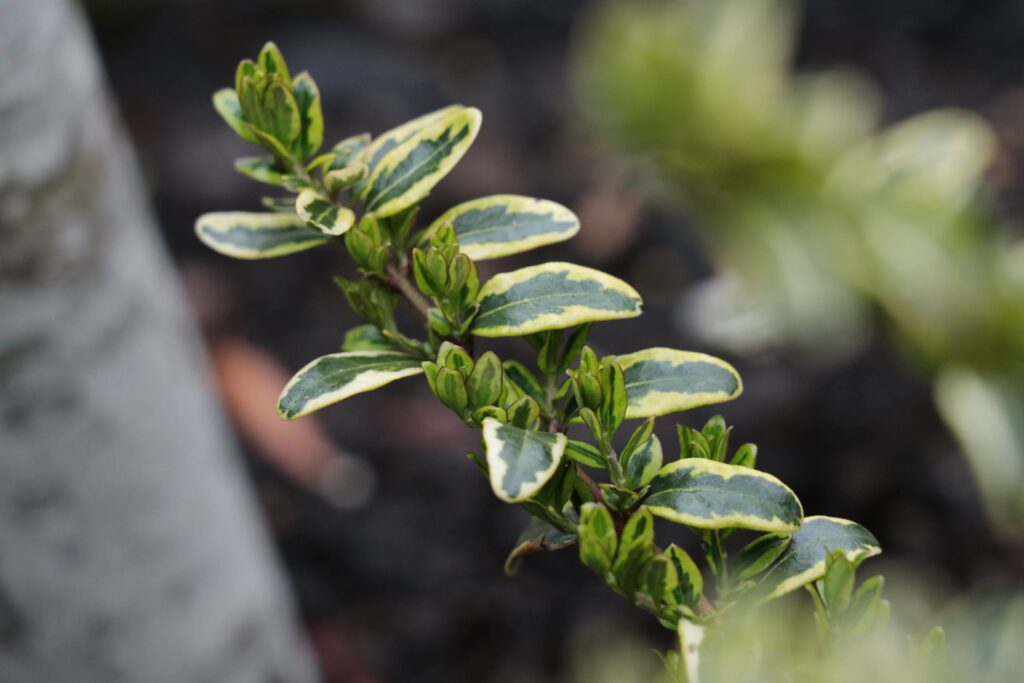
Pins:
<point x="225" y="101"/>
<point x="520" y="461"/>
<point x="804" y="560"/>
<point x="598" y="540"/>
<point x="245" y="235"/>
<point x="337" y="376"/>
<point x="307" y="96"/>
<point x="644" y="463"/>
<point x="330" y="218"/>
<point x="707" y="494"/>
<point x="263" y="169"/>
<point x="388" y="140"/>
<point x="492" y="227"/>
<point x="661" y="381"/>
<point x="551" y="296"/>
<point x="343" y="177"/>
<point x="691" y="637"/>
<point x="353" y="148"/>
<point x="408" y="173"/>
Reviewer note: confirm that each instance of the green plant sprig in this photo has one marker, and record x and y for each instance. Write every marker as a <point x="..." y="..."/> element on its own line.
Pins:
<point x="364" y="194"/>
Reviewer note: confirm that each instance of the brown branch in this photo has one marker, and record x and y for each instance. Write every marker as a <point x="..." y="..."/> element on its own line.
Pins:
<point x="595" y="490"/>
<point x="399" y="281"/>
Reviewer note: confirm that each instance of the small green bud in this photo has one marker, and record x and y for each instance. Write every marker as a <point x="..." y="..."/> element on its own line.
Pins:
<point x="443" y="236"/>
<point x="451" y="389"/>
<point x="359" y="246"/>
<point x="246" y="69"/>
<point x="271" y="61"/>
<point x="485" y="381"/>
<point x="459" y="359"/>
<point x="590" y="392"/>
<point x="459" y="271"/>
<point x="378" y="258"/>
<point x="436" y="272"/>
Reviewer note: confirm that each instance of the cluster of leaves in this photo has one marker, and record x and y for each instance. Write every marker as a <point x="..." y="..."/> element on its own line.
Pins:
<point x="364" y="194"/>
<point x="820" y="219"/>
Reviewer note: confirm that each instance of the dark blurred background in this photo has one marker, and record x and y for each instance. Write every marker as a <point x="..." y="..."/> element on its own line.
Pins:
<point x="402" y="580"/>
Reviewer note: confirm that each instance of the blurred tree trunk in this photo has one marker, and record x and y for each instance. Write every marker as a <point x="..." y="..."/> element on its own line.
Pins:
<point x="130" y="549"/>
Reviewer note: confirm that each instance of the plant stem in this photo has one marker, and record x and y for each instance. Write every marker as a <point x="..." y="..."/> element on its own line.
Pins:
<point x="399" y="281"/>
<point x="716" y="555"/>
<point x="615" y="472"/>
<point x="595" y="490"/>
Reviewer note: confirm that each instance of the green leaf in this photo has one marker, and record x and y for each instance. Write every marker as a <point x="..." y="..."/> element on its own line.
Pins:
<point x="523" y="379"/>
<point x="840" y="575"/>
<point x="244" y="235"/>
<point x="538" y="536"/>
<point x="263" y="169"/>
<point x="644" y="463"/>
<point x="861" y="615"/>
<point x="597" y="538"/>
<point x="636" y="549"/>
<point x="934" y="642"/>
<point x="659" y="580"/>
<point x="520" y="461"/>
<point x="407" y="173"/>
<point x="321" y="161"/>
<point x="506" y="224"/>
<point x="745" y="456"/>
<point x="524" y="413"/>
<point x="366" y="338"/>
<point x="614" y="399"/>
<point x="713" y="495"/>
<point x="661" y="381"/>
<point x="311" y="117"/>
<point x="759" y="554"/>
<point x="335" y="377"/>
<point x="225" y="101"/>
<point x="804" y="559"/>
<point x="620" y="499"/>
<point x="691" y="581"/>
<point x="551" y="296"/>
<point x="586" y="454"/>
<point x="638" y="438"/>
<point x="330" y="218"/>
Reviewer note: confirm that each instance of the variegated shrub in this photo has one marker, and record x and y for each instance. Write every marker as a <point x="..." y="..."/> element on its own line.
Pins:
<point x="601" y="493"/>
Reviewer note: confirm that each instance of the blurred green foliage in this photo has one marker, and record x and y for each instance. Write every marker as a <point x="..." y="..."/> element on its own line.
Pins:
<point x="822" y="225"/>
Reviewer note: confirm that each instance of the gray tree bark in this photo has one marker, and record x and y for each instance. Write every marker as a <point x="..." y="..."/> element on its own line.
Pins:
<point x="130" y="548"/>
